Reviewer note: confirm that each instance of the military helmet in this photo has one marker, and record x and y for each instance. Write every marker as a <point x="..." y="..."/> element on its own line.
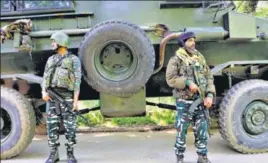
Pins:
<point x="184" y="37"/>
<point x="61" y="38"/>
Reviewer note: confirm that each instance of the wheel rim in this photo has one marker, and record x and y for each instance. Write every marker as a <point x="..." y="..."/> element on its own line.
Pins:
<point x="255" y="118"/>
<point x="115" y="61"/>
<point x="6" y="125"/>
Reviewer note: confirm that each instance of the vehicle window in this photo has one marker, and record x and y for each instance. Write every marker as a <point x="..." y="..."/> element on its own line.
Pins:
<point x="37" y="5"/>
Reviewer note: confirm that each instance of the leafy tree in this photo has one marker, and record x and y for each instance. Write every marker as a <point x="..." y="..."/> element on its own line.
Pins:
<point x="250" y="6"/>
<point x="253" y="7"/>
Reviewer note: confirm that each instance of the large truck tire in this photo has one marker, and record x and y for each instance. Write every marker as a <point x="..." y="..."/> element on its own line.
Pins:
<point x="118" y="57"/>
<point x="17" y="123"/>
<point x="243" y="116"/>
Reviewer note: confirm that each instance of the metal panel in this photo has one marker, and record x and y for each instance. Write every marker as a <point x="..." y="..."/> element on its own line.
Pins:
<point x="217" y="69"/>
<point x="240" y="26"/>
<point x="114" y="106"/>
<point x="69" y="23"/>
<point x="83" y="22"/>
<point x="208" y="33"/>
<point x="39" y="25"/>
<point x="31" y="78"/>
<point x="56" y="23"/>
<point x="17" y="39"/>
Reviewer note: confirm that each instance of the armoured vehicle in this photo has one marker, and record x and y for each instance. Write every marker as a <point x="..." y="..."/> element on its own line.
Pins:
<point x="124" y="47"/>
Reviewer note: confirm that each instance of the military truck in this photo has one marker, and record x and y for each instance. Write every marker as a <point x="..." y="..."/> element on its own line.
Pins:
<point x="124" y="47"/>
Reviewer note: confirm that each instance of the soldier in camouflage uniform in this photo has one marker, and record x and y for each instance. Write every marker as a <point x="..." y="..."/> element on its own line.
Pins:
<point x="62" y="73"/>
<point x="189" y="75"/>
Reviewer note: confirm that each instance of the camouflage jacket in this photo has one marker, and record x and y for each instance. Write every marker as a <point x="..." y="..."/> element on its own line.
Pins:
<point x="66" y="75"/>
<point x="182" y="69"/>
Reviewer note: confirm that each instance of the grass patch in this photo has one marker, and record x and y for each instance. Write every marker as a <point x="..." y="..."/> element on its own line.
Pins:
<point x="154" y="115"/>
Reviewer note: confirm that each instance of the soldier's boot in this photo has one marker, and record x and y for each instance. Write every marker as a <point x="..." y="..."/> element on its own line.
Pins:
<point x="53" y="157"/>
<point x="203" y="159"/>
<point x="180" y="158"/>
<point x="70" y="156"/>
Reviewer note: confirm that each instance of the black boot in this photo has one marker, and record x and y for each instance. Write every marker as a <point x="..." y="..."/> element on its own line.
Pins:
<point x="180" y="158"/>
<point x="203" y="159"/>
<point x="53" y="157"/>
<point x="70" y="156"/>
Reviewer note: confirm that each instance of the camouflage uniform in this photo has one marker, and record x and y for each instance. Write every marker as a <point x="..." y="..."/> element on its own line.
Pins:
<point x="179" y="75"/>
<point x="68" y="76"/>
<point x="63" y="74"/>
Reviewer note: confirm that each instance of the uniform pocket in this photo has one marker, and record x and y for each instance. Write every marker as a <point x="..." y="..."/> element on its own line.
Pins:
<point x="63" y="72"/>
<point x="63" y="78"/>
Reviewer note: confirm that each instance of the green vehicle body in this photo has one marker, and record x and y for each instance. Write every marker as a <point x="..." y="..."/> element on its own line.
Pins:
<point x="235" y="46"/>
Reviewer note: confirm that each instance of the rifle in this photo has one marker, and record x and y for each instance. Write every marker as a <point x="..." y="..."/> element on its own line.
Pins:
<point x="68" y="107"/>
<point x="199" y="101"/>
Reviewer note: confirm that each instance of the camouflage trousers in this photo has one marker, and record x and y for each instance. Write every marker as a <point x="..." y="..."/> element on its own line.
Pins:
<point x="53" y="125"/>
<point x="199" y="123"/>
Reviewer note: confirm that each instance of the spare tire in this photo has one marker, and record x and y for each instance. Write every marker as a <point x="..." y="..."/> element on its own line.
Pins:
<point x="17" y="123"/>
<point x="118" y="57"/>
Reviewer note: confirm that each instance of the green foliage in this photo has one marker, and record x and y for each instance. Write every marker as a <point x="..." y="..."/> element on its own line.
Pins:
<point x="163" y="117"/>
<point x="250" y="7"/>
<point x="94" y="118"/>
<point x="154" y="116"/>
<point x="262" y="12"/>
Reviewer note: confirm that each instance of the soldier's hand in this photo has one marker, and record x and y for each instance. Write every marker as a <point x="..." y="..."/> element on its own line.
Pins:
<point x="46" y="97"/>
<point x="193" y="87"/>
<point x="75" y="107"/>
<point x="208" y="102"/>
